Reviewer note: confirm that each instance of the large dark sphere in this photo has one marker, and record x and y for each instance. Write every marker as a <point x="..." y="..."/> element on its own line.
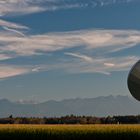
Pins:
<point x="134" y="81"/>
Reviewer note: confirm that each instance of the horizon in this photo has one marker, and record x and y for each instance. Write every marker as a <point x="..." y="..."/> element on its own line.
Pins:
<point x="65" y="99"/>
<point x="100" y="106"/>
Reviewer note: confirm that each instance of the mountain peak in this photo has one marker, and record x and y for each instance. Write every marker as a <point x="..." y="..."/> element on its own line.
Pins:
<point x="99" y="106"/>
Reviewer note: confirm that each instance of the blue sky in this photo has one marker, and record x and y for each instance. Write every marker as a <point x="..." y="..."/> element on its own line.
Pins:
<point x="57" y="49"/>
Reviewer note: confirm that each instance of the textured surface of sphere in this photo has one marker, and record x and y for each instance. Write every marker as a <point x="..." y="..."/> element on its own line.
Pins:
<point x="134" y="81"/>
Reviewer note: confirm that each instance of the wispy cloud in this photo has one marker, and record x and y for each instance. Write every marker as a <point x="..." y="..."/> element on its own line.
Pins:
<point x="99" y="65"/>
<point x="109" y="64"/>
<point x="4" y="57"/>
<point x="16" y="7"/>
<point x="7" y="71"/>
<point x="10" y="7"/>
<point x="4" y="23"/>
<point x="90" y="59"/>
<point x="81" y="56"/>
<point x="13" y="27"/>
<point x="20" y="7"/>
<point x="13" y="30"/>
<point x="106" y="41"/>
<point x="14" y="43"/>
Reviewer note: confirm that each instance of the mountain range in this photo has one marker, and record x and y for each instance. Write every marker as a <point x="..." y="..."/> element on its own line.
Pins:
<point x="99" y="106"/>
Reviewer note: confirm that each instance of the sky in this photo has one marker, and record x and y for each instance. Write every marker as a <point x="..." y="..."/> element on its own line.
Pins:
<point x="60" y="49"/>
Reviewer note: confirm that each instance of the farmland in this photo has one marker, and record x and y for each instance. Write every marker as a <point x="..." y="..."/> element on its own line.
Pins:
<point x="69" y="132"/>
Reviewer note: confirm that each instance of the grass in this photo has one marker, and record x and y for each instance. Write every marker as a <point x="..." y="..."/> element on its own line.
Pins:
<point x="70" y="132"/>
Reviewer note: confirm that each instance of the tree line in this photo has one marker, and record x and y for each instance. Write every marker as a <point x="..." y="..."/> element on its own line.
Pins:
<point x="72" y="119"/>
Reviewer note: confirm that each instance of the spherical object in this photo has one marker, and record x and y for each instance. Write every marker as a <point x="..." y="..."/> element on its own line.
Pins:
<point x="134" y="81"/>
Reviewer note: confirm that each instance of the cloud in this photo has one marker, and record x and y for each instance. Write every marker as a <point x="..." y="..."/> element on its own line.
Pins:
<point x="13" y="30"/>
<point x="105" y="41"/>
<point x="14" y="44"/>
<point x="16" y="7"/>
<point x="4" y="57"/>
<point x="81" y="56"/>
<point x="7" y="71"/>
<point x="39" y="68"/>
<point x="99" y="65"/>
<point x="109" y="64"/>
<point x="19" y="7"/>
<point x="13" y="27"/>
<point x="7" y="24"/>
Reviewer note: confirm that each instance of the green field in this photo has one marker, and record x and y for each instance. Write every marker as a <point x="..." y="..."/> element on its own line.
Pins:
<point x="69" y="132"/>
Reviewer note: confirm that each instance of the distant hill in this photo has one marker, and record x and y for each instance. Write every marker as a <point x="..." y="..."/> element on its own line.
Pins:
<point x="100" y="106"/>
